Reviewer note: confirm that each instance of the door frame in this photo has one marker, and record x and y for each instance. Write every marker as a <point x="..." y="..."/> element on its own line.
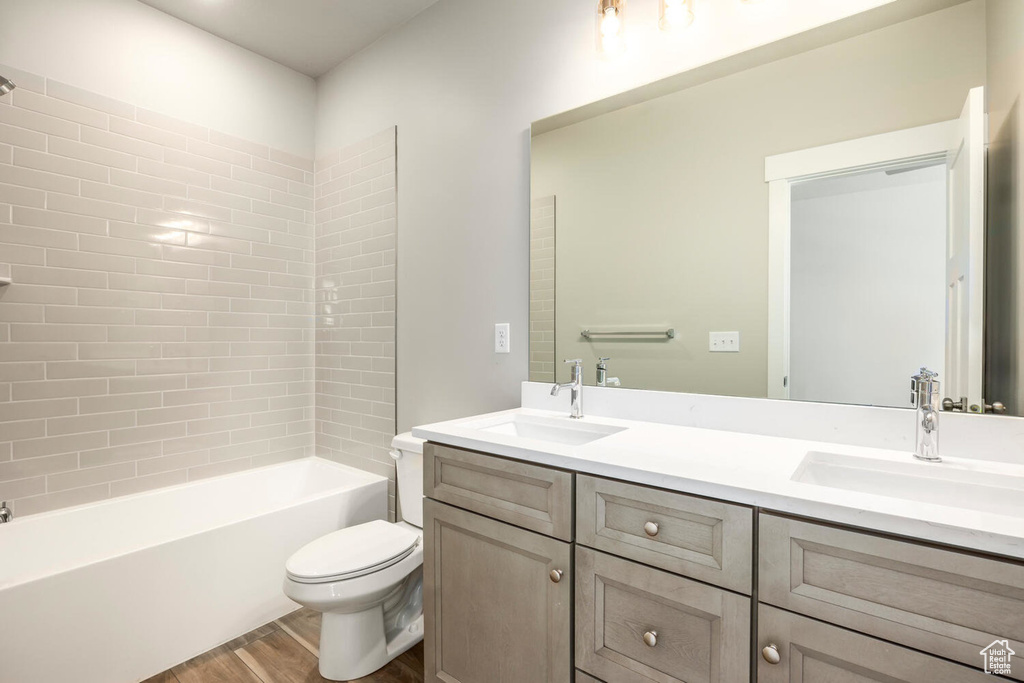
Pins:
<point x="783" y="171"/>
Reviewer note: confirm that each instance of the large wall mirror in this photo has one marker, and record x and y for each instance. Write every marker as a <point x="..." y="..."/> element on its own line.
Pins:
<point x="814" y="220"/>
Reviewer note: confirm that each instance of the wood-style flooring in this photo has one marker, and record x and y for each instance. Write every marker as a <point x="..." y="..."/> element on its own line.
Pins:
<point x="284" y="651"/>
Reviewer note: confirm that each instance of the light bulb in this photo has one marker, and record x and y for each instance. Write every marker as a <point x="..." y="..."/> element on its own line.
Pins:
<point x="610" y="24"/>
<point x="676" y="14"/>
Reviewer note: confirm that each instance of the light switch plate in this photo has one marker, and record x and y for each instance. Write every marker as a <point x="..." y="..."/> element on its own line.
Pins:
<point x="724" y="342"/>
<point x="502" y="342"/>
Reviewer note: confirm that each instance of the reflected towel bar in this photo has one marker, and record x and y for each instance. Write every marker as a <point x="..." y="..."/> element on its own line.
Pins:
<point x="668" y="334"/>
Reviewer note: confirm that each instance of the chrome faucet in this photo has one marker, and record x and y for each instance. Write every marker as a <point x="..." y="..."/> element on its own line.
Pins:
<point x="577" y="388"/>
<point x="6" y="514"/>
<point x="925" y="398"/>
<point x="603" y="380"/>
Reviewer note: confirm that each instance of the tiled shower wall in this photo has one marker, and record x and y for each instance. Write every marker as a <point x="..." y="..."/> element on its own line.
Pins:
<point x="355" y="298"/>
<point x="542" y="289"/>
<point x="159" y="327"/>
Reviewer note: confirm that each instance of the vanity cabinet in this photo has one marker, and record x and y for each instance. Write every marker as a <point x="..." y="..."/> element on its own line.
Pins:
<point x="636" y="624"/>
<point x="497" y="601"/>
<point x="949" y="603"/>
<point x="795" y="649"/>
<point x="534" y="574"/>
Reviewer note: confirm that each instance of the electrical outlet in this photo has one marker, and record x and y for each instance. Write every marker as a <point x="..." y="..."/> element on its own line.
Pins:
<point x="724" y="342"/>
<point x="502" y="342"/>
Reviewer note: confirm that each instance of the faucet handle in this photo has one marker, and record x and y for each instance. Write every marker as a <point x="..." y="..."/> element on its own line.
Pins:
<point x="602" y="361"/>
<point x="577" y="361"/>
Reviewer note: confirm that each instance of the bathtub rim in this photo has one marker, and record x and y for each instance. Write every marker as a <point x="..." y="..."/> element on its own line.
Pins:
<point x="370" y="479"/>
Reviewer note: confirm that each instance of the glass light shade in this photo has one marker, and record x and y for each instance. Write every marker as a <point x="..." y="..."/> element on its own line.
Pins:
<point x="611" y="26"/>
<point x="676" y="14"/>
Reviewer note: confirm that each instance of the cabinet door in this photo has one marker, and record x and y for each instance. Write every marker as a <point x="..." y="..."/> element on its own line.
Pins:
<point x="803" y="650"/>
<point x="496" y="608"/>
<point x="635" y="624"/>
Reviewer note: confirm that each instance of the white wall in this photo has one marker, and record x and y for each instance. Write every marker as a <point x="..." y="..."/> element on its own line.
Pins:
<point x="134" y="53"/>
<point x="463" y="81"/>
<point x="868" y="287"/>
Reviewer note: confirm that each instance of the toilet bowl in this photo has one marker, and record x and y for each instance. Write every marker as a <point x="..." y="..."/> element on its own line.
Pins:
<point x="367" y="580"/>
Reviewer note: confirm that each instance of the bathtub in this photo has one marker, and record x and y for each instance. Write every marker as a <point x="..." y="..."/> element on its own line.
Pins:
<point x="117" y="591"/>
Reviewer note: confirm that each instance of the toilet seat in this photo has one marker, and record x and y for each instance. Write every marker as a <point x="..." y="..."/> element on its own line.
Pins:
<point x="352" y="552"/>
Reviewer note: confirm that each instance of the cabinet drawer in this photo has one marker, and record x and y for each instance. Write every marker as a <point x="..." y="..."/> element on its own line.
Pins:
<point x="635" y="624"/>
<point x="813" y="652"/>
<point x="940" y="601"/>
<point x="530" y="496"/>
<point x="706" y="539"/>
<point x="497" y="601"/>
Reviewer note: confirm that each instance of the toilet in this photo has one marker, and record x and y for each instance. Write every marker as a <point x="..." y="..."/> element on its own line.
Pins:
<point x="367" y="580"/>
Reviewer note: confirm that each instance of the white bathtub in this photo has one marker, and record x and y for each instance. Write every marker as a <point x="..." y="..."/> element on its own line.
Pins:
<point x="117" y="591"/>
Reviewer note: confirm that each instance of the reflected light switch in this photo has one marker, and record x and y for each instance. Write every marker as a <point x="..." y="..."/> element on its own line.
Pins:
<point x="724" y="342"/>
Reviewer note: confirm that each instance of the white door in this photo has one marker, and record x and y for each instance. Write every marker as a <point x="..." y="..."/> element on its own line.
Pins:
<point x="965" y="277"/>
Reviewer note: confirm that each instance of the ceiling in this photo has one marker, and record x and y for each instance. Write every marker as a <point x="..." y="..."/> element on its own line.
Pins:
<point x="310" y="36"/>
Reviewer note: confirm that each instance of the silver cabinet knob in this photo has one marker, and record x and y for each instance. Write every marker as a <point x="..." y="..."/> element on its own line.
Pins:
<point x="771" y="654"/>
<point x="556" y="575"/>
<point x="651" y="529"/>
<point x="651" y="638"/>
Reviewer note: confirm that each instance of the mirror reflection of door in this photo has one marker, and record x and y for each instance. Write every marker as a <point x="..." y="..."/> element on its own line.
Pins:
<point x="877" y="264"/>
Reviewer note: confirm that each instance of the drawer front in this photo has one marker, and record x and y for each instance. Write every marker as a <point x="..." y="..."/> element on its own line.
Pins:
<point x="585" y="678"/>
<point x="939" y="601"/>
<point x="638" y="624"/>
<point x="810" y="651"/>
<point x="705" y="539"/>
<point x="530" y="496"/>
<point x="494" y="611"/>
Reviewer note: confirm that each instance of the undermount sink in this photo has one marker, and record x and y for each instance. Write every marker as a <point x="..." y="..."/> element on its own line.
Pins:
<point x="553" y="430"/>
<point x="952" y="485"/>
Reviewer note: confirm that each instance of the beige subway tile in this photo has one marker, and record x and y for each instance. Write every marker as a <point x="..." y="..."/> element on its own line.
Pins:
<point x="84" y="206"/>
<point x="168" y="463"/>
<point x="121" y="195"/>
<point x="175" y="318"/>
<point x="172" y="414"/>
<point x="139" y="131"/>
<point x="89" y="405"/>
<point x="172" y="366"/>
<point x="91" y="154"/>
<point x="40" y="180"/>
<point x="260" y="178"/>
<point x="218" y="424"/>
<point x="194" y="396"/>
<point x="89" y="368"/>
<point x="147" y="183"/>
<point x="31" y="448"/>
<point x="14" y="411"/>
<point x="89" y="477"/>
<point x="60" y="277"/>
<point x="21" y="137"/>
<point x="135" y="385"/>
<point x="151" y="118"/>
<point x="119" y="299"/>
<point x="89" y="423"/>
<point x="144" y="334"/>
<point x="115" y="350"/>
<point x="122" y="143"/>
<point x="86" y="316"/>
<point x="110" y="456"/>
<point x="175" y="270"/>
<point x="198" y="256"/>
<point x="21" y="371"/>
<point x="197" y="163"/>
<point x="11" y="351"/>
<point x="177" y="174"/>
<point x="22" y="196"/>
<point x="217" y="469"/>
<point x="120" y="437"/>
<point x="187" y="444"/>
<point x="86" y="98"/>
<point x="55" y="220"/>
<point x="146" y="283"/>
<point x="42" y="161"/>
<point x="35" y="467"/>
<point x="27" y="99"/>
<point x="150" y="482"/>
<point x="27" y="391"/>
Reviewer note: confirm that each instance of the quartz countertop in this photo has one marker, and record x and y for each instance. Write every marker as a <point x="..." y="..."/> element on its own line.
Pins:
<point x="761" y="471"/>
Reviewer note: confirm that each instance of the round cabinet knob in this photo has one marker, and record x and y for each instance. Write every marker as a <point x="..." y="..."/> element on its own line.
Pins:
<point x="651" y="638"/>
<point x="771" y="654"/>
<point x="556" y="575"/>
<point x="651" y="529"/>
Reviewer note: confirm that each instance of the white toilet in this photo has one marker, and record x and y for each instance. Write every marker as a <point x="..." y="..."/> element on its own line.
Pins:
<point x="367" y="580"/>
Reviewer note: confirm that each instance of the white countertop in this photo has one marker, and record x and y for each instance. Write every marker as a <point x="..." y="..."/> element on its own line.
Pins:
<point x="754" y="470"/>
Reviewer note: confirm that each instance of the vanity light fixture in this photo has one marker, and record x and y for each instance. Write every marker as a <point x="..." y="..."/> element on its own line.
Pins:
<point x="611" y="26"/>
<point x="676" y="14"/>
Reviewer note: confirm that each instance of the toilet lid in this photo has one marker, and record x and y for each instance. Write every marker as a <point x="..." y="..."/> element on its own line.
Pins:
<point x="352" y="550"/>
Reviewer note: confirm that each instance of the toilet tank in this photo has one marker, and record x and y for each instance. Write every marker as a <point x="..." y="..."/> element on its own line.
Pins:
<point x="407" y="452"/>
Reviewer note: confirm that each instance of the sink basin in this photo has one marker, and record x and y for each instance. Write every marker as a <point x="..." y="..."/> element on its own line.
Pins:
<point x="949" y="484"/>
<point x="553" y="430"/>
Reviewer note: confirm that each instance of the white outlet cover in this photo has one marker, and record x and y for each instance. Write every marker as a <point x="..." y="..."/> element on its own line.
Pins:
<point x="502" y="340"/>
<point x="724" y="342"/>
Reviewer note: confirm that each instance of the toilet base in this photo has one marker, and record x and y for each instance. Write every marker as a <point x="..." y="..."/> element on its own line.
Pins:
<point x="353" y="645"/>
